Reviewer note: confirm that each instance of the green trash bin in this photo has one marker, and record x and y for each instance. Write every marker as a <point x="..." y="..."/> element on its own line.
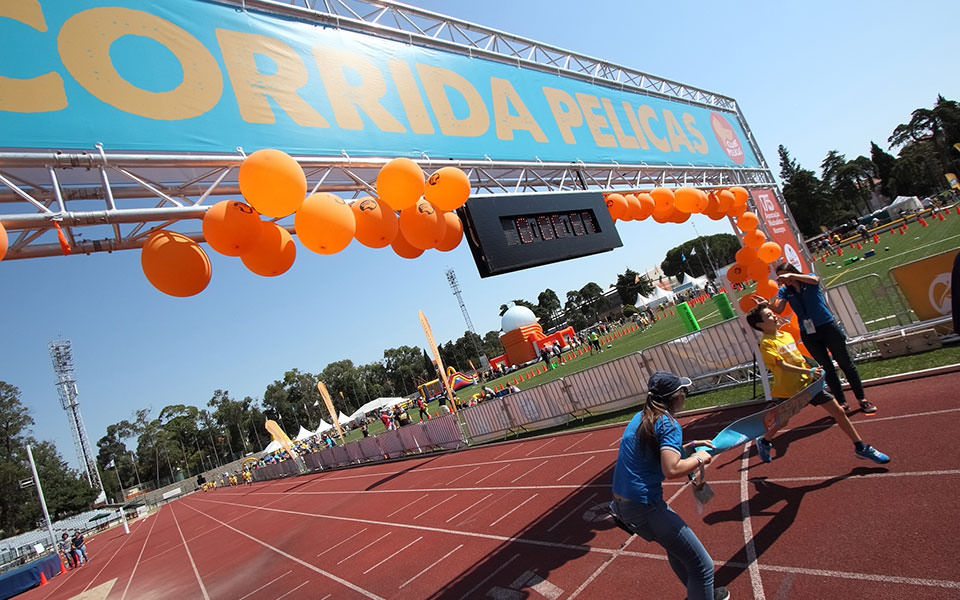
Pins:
<point x="723" y="305"/>
<point x="686" y="315"/>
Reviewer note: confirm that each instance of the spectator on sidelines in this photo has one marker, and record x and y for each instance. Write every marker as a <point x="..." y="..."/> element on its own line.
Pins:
<point x="66" y="550"/>
<point x="79" y="547"/>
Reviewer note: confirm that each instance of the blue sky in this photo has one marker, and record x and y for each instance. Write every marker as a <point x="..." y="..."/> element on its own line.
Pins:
<point x="812" y="76"/>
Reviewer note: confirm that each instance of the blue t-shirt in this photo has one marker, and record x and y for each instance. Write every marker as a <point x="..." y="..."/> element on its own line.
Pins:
<point x="808" y="303"/>
<point x="637" y="475"/>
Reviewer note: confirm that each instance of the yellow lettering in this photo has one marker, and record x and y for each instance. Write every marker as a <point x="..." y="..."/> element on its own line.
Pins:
<point x="252" y="88"/>
<point x="84" y="44"/>
<point x="346" y="98"/>
<point x="413" y="104"/>
<point x="699" y="143"/>
<point x="435" y="81"/>
<point x="625" y="141"/>
<point x="675" y="132"/>
<point x="595" y="122"/>
<point x="646" y="113"/>
<point x="37" y="94"/>
<point x="635" y="125"/>
<point x="505" y="97"/>
<point x="565" y="111"/>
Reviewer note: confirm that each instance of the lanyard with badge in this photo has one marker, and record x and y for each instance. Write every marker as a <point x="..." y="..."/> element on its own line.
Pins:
<point x="807" y="324"/>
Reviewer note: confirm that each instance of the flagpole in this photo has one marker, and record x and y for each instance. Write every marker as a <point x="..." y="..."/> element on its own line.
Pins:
<point x="116" y="469"/>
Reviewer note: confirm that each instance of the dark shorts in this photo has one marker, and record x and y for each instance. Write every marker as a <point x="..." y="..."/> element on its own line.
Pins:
<point x="821" y="398"/>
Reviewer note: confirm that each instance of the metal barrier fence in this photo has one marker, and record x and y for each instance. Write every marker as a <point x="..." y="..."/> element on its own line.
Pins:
<point x="436" y="434"/>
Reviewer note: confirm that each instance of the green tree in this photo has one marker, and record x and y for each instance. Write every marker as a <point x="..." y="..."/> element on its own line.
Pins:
<point x="15" y="420"/>
<point x="805" y="196"/>
<point x="883" y="163"/>
<point x="404" y="367"/>
<point x="630" y="285"/>
<point x="591" y="296"/>
<point x="548" y="303"/>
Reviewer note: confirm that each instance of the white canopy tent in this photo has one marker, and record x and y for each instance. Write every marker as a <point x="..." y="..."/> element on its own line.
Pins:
<point x="272" y="447"/>
<point x="324" y="426"/>
<point x="342" y="418"/>
<point x="659" y="296"/>
<point x="304" y="433"/>
<point x="904" y="203"/>
<point x="378" y="404"/>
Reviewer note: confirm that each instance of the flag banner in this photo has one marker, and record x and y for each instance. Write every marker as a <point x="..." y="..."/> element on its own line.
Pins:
<point x="436" y="359"/>
<point x="333" y="413"/>
<point x="110" y="465"/>
<point x="693" y="251"/>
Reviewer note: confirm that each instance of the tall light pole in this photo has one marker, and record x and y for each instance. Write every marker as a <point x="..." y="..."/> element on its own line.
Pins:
<point x="43" y="502"/>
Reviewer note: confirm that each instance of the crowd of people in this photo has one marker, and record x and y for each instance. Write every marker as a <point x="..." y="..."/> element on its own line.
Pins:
<point x="73" y="550"/>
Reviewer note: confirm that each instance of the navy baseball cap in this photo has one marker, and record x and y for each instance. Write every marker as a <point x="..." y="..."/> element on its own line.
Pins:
<point x="664" y="384"/>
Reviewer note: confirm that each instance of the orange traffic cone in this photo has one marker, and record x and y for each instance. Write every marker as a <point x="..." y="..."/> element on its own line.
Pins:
<point x="876" y="239"/>
<point x="940" y="216"/>
<point x="43" y="578"/>
<point x="859" y="246"/>
<point x="63" y="567"/>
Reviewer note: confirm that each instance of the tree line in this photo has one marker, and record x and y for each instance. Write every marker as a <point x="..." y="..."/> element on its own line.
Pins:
<point x="926" y="151"/>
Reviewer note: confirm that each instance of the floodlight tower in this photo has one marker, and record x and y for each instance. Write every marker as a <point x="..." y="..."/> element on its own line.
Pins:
<point x="62" y="359"/>
<point x="455" y="287"/>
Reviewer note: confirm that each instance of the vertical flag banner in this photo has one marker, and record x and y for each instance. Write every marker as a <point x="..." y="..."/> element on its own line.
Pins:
<point x="778" y="228"/>
<point x="441" y="372"/>
<point x="333" y="413"/>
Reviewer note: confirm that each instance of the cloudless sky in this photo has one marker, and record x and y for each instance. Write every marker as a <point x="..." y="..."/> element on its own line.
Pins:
<point x="814" y="76"/>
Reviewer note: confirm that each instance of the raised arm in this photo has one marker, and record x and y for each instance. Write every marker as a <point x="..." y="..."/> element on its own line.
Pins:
<point x="674" y="466"/>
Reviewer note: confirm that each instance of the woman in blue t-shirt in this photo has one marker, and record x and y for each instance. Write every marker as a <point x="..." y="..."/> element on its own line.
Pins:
<point x="819" y="331"/>
<point x="652" y="450"/>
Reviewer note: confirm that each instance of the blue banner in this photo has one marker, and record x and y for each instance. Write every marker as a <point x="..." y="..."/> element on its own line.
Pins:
<point x="196" y="76"/>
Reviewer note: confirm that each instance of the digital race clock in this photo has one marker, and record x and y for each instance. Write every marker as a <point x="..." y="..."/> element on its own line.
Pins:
<point x="509" y="232"/>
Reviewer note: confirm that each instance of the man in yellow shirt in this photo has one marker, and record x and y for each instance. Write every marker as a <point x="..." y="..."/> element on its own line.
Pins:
<point x="791" y="373"/>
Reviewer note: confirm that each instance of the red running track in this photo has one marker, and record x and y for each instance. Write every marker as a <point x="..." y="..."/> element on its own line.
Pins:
<point x="524" y="519"/>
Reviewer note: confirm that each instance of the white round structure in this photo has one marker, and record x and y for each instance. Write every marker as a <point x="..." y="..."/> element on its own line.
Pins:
<point x="516" y="317"/>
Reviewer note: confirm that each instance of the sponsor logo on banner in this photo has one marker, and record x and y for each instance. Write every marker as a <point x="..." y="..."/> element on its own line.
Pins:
<point x="778" y="228"/>
<point x="926" y="284"/>
<point x="727" y="137"/>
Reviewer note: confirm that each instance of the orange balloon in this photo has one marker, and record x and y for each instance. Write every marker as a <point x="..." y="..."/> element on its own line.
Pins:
<point x="703" y="201"/>
<point x="767" y="288"/>
<point x="403" y="248"/>
<point x="231" y="227"/>
<point x="726" y="200"/>
<point x="646" y="206"/>
<point x="662" y="197"/>
<point x="737" y="273"/>
<point x="400" y="183"/>
<point x="325" y="223"/>
<point x="746" y="303"/>
<point x="745" y="256"/>
<point x="737" y="210"/>
<point x="376" y="223"/>
<point x="678" y="216"/>
<point x="634" y="208"/>
<point x="769" y="252"/>
<point x="175" y="264"/>
<point x="452" y="234"/>
<point x="787" y="312"/>
<point x="748" y="221"/>
<point x="792" y="327"/>
<point x="753" y="238"/>
<point x="758" y="270"/>
<point x="447" y="189"/>
<point x="422" y="225"/>
<point x="739" y="194"/>
<point x="686" y="199"/>
<point x="617" y="206"/>
<point x="3" y="241"/>
<point x="274" y="252"/>
<point x="272" y="182"/>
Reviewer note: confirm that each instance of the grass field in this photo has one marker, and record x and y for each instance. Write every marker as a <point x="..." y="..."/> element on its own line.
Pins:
<point x="874" y="301"/>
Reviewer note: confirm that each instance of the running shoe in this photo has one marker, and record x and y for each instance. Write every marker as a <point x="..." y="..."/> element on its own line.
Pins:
<point x="871" y="453"/>
<point x="721" y="593"/>
<point x="763" y="449"/>
<point x="867" y="407"/>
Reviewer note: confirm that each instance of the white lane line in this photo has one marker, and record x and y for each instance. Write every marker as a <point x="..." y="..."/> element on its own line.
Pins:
<point x="344" y="541"/>
<point x="304" y="563"/>
<point x="407" y="504"/>
<point x="513" y="509"/>
<point x="293" y="590"/>
<point x="468" y="508"/>
<point x="430" y="566"/>
<point x="244" y="597"/>
<point x="137" y="564"/>
<point x="575" y="468"/>
<point x="462" y="476"/>
<point x="502" y="454"/>
<point x="583" y="439"/>
<point x="502" y="539"/>
<point x="392" y="555"/>
<point x="491" y="474"/>
<point x="753" y="566"/>
<point x="489" y="577"/>
<point x="614" y="442"/>
<point x="176" y="521"/>
<point x="447" y="499"/>
<point x="343" y="560"/>
<point x="532" y="469"/>
<point x="325" y="597"/>
<point x="572" y="512"/>
<point x="538" y="448"/>
<point x="853" y="478"/>
<point x="603" y="566"/>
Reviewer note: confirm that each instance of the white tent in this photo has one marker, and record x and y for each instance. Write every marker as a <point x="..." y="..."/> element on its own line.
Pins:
<point x="304" y="434"/>
<point x="377" y="404"/>
<point x="324" y="426"/>
<point x="904" y="203"/>
<point x="659" y="296"/>
<point x="272" y="447"/>
<point x="342" y="418"/>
